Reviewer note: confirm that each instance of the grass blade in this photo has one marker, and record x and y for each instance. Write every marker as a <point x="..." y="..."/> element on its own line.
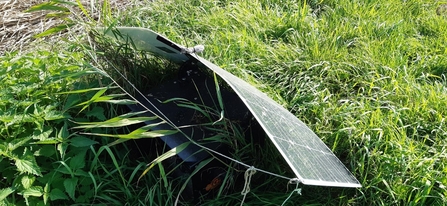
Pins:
<point x="164" y="156"/>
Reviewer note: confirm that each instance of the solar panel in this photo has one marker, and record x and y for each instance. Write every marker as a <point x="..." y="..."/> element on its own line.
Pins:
<point x="309" y="158"/>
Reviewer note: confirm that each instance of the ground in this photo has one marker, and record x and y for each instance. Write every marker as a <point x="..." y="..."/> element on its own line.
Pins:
<point x="18" y="27"/>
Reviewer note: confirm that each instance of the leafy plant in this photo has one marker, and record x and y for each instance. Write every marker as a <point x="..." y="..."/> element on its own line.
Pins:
<point x="367" y="77"/>
<point x="35" y="137"/>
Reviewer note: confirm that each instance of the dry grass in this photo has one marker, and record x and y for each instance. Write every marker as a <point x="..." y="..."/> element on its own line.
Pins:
<point x="17" y="27"/>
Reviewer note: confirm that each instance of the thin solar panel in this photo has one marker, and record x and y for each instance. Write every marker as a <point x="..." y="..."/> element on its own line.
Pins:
<point x="310" y="159"/>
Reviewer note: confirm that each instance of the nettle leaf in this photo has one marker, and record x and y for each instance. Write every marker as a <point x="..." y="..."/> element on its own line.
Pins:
<point x="81" y="141"/>
<point x="27" y="181"/>
<point x="70" y="186"/>
<point x="57" y="194"/>
<point x="63" y="132"/>
<point x="78" y="161"/>
<point x="27" y="163"/>
<point x="35" y="191"/>
<point x="81" y="173"/>
<point x="71" y="101"/>
<point x="54" y="115"/>
<point x="97" y="112"/>
<point x="42" y="135"/>
<point x="46" y="193"/>
<point x="46" y="151"/>
<point x="3" y="149"/>
<point x="16" y="143"/>
<point x="62" y="147"/>
<point x="5" y="192"/>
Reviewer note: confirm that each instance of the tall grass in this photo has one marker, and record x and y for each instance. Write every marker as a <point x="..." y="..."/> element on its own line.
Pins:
<point x="367" y="76"/>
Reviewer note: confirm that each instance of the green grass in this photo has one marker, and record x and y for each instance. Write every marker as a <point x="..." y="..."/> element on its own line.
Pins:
<point x="367" y="76"/>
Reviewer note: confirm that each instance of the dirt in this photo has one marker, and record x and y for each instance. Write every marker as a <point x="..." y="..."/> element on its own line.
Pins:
<point x="17" y="27"/>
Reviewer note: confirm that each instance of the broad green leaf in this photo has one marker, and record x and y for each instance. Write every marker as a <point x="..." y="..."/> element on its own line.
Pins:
<point x="97" y="112"/>
<point x="71" y="100"/>
<point x="73" y="75"/>
<point x="27" y="181"/>
<point x="120" y="101"/>
<point x="65" y="2"/>
<point x="151" y="134"/>
<point x="57" y="14"/>
<point x="146" y="128"/>
<point x="45" y="151"/>
<point x="5" y="192"/>
<point x="78" y="161"/>
<point x="118" y="141"/>
<point x="97" y="70"/>
<point x="81" y="141"/>
<point x="172" y="152"/>
<point x="62" y="147"/>
<point x="63" y="132"/>
<point x="103" y="98"/>
<point x="57" y="194"/>
<point x="97" y="95"/>
<point x="65" y="169"/>
<point x="54" y="30"/>
<point x="86" y="90"/>
<point x="80" y="173"/>
<point x="35" y="191"/>
<point x="27" y="164"/>
<point x="163" y="175"/>
<point x="16" y="143"/>
<point x="54" y="115"/>
<point x="218" y="93"/>
<point x="3" y="149"/>
<point x="157" y="133"/>
<point x="115" y="122"/>
<point x="123" y="116"/>
<point x="49" y="141"/>
<point x="42" y="135"/>
<point x="70" y="187"/>
<point x="47" y="6"/>
<point x="46" y="193"/>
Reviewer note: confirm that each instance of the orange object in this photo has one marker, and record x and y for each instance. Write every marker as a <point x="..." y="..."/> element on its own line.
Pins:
<point x="214" y="183"/>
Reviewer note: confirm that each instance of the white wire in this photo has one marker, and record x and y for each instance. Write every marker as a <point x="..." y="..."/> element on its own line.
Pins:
<point x="247" y="176"/>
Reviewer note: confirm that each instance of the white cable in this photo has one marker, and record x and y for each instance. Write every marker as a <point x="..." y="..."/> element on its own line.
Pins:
<point x="247" y="176"/>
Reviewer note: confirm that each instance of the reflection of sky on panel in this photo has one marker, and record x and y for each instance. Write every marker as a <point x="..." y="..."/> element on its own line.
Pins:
<point x="310" y="159"/>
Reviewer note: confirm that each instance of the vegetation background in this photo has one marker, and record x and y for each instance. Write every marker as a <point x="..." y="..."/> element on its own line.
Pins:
<point x="367" y="76"/>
